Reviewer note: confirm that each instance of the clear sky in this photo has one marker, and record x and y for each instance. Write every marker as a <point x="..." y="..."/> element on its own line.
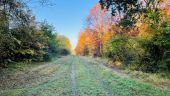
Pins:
<point x="67" y="16"/>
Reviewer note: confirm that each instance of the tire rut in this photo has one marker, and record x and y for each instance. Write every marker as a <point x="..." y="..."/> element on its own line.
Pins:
<point x="73" y="79"/>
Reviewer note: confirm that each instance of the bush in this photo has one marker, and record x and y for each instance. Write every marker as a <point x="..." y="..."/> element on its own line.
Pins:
<point x="157" y="52"/>
<point x="125" y="49"/>
<point x="63" y="51"/>
<point x="47" y="57"/>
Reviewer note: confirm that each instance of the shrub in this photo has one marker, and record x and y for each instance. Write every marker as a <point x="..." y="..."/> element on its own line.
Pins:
<point x="125" y="49"/>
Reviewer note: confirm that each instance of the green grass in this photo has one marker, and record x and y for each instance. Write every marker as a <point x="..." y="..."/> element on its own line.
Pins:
<point x="55" y="84"/>
<point x="97" y="80"/>
<point x="92" y="79"/>
<point x="158" y="79"/>
<point x="153" y="78"/>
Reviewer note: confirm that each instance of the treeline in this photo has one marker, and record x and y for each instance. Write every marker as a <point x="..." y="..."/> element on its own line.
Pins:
<point x="133" y="34"/>
<point x="22" y="38"/>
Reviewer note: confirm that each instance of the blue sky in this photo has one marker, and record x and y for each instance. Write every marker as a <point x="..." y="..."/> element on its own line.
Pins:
<point x="67" y="16"/>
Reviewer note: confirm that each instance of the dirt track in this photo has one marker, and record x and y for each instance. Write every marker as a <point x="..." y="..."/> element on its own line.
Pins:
<point x="74" y="76"/>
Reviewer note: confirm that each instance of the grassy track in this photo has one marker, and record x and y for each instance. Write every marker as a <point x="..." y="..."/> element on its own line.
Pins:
<point x="73" y="76"/>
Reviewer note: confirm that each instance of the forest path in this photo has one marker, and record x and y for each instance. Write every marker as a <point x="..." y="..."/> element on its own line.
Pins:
<point x="73" y="79"/>
<point x="74" y="76"/>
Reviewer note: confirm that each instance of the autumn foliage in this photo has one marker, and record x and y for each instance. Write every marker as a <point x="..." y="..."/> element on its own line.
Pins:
<point x="135" y="36"/>
<point x="95" y="36"/>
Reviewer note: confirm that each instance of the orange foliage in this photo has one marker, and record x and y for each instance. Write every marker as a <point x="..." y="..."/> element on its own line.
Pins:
<point x="165" y="8"/>
<point x="101" y="27"/>
<point x="81" y="43"/>
<point x="97" y="32"/>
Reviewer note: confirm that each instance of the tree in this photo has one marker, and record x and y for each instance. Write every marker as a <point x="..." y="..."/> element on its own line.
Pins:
<point x="99" y="22"/>
<point x="97" y="33"/>
<point x="125" y="9"/>
<point x="146" y="21"/>
<point x="13" y="15"/>
<point x="81" y="42"/>
<point x="64" y="42"/>
<point x="22" y="38"/>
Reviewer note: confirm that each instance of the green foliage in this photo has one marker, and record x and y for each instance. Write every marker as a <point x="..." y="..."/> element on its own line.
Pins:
<point x="128" y="9"/>
<point x="63" y="51"/>
<point x="21" y="38"/>
<point x="157" y="48"/>
<point x="159" y="53"/>
<point x="47" y="57"/>
<point x="126" y="23"/>
<point x="85" y="51"/>
<point x="147" y="54"/>
<point x="125" y="49"/>
<point x="153" y="18"/>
